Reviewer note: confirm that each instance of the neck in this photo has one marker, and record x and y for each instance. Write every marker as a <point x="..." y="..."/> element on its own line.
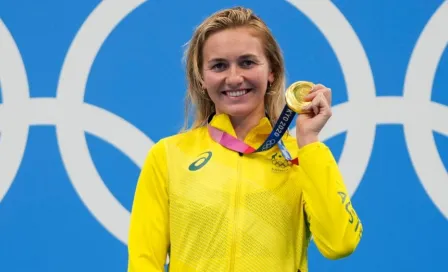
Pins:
<point x="243" y="124"/>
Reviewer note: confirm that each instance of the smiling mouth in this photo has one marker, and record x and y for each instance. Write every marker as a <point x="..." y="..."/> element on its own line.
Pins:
<point x="237" y="93"/>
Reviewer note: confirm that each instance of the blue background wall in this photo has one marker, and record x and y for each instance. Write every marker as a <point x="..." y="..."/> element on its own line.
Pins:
<point x="86" y="87"/>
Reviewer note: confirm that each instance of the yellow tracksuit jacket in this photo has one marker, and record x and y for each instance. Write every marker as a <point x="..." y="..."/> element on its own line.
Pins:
<point x="215" y="210"/>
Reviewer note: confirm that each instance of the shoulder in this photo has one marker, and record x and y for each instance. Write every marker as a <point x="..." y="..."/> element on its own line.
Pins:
<point x="290" y="142"/>
<point x="186" y="138"/>
<point x="179" y="141"/>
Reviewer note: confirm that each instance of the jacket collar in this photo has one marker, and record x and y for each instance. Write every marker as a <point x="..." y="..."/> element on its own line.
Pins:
<point x="256" y="135"/>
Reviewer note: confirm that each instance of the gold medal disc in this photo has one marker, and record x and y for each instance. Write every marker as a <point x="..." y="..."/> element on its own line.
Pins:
<point x="296" y="93"/>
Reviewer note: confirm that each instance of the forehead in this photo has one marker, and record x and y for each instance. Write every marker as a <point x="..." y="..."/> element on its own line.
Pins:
<point x="233" y="42"/>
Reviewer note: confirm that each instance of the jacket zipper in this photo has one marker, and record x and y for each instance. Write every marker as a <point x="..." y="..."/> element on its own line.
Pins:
<point x="235" y="214"/>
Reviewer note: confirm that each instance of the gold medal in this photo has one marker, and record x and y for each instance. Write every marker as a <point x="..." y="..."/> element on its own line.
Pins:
<point x="296" y="93"/>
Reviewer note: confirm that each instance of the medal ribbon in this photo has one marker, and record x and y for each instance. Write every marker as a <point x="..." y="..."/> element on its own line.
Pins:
<point x="233" y="143"/>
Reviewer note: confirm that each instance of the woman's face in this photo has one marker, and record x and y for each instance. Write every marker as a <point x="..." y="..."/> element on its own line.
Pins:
<point x="236" y="72"/>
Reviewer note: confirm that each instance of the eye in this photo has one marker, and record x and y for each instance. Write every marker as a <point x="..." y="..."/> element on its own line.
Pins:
<point x="247" y="63"/>
<point x="220" y="66"/>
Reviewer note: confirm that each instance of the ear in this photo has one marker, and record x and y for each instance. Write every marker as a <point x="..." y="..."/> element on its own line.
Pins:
<point x="271" y="77"/>
<point x="202" y="84"/>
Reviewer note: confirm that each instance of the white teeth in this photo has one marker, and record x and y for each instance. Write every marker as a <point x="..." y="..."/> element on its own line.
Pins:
<point x="237" y="93"/>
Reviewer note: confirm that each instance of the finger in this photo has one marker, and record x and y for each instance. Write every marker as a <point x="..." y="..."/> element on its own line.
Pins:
<point x="316" y="109"/>
<point x="322" y="100"/>
<point x="324" y="106"/>
<point x="317" y="87"/>
<point x="327" y="93"/>
<point x="315" y="104"/>
<point x="320" y="104"/>
<point x="312" y="95"/>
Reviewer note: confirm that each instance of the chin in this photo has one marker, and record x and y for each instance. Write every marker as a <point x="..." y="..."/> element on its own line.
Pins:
<point x="238" y="111"/>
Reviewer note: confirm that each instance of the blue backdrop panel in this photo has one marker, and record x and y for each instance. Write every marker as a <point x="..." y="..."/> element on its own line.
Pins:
<point x="86" y="87"/>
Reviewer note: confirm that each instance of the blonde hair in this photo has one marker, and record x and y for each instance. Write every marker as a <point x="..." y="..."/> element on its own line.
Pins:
<point x="224" y="19"/>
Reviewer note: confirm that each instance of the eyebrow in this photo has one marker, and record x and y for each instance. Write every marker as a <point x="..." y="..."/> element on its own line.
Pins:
<point x="245" y="56"/>
<point x="248" y="56"/>
<point x="216" y="60"/>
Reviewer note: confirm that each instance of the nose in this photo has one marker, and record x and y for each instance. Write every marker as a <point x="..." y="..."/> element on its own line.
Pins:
<point x="234" y="77"/>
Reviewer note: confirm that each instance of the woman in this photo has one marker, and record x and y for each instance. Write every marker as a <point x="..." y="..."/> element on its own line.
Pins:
<point x="213" y="208"/>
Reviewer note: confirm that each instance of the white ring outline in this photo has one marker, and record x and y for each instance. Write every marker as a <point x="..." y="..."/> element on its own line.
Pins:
<point x="71" y="88"/>
<point x="420" y="76"/>
<point x="13" y="131"/>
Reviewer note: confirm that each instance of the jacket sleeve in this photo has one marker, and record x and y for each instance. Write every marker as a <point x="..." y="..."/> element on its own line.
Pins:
<point x="149" y="226"/>
<point x="333" y="222"/>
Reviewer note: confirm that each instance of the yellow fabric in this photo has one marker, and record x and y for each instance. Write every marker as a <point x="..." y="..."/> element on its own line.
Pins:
<point x="220" y="211"/>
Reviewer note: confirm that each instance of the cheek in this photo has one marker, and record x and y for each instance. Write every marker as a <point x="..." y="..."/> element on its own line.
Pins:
<point x="260" y="76"/>
<point x="211" y="80"/>
<point x="261" y="82"/>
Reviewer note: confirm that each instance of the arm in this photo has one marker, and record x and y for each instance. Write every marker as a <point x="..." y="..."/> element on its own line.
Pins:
<point x="334" y="223"/>
<point x="149" y="225"/>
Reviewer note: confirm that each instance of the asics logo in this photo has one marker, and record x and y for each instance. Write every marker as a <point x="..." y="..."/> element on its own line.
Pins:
<point x="201" y="161"/>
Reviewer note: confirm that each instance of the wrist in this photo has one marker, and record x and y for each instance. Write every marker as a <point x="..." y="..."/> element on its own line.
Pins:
<point x="303" y="140"/>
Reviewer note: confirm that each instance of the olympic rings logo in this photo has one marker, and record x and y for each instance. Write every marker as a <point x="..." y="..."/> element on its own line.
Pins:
<point x="72" y="117"/>
<point x="269" y="144"/>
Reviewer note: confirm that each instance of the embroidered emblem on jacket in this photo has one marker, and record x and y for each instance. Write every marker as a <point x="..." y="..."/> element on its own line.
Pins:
<point x="279" y="163"/>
